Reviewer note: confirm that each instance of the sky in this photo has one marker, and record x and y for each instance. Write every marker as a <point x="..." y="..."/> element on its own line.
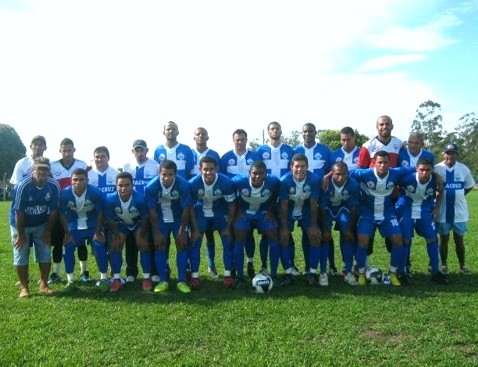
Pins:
<point x="110" y="72"/>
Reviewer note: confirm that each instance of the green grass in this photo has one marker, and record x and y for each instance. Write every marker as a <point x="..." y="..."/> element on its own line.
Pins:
<point x="421" y="325"/>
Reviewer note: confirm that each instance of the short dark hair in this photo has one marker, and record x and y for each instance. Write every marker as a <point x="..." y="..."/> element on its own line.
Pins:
<point x="425" y="162"/>
<point x="126" y="175"/>
<point x="347" y="130"/>
<point x="80" y="171"/>
<point x="239" y="132"/>
<point x="207" y="159"/>
<point x="102" y="149"/>
<point x="299" y="157"/>
<point x="340" y="164"/>
<point x="168" y="164"/>
<point x="66" y="141"/>
<point x="382" y="153"/>
<point x="258" y="164"/>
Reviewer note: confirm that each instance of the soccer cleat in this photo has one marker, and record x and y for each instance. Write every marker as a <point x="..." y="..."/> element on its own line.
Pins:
<point x="333" y="271"/>
<point x="287" y="280"/>
<point x="54" y="278"/>
<point x="349" y="278"/>
<point x="362" y="280"/>
<point x="103" y="285"/>
<point x="323" y="280"/>
<point x="240" y="283"/>
<point x="195" y="284"/>
<point x="161" y="287"/>
<point x="228" y="282"/>
<point x="155" y="279"/>
<point x="440" y="278"/>
<point x="464" y="270"/>
<point x="213" y="273"/>
<point x="295" y="272"/>
<point x="85" y="277"/>
<point x="408" y="271"/>
<point x="183" y="287"/>
<point x="130" y="279"/>
<point x="444" y="269"/>
<point x="251" y="272"/>
<point x="147" y="285"/>
<point x="116" y="285"/>
<point x="277" y="282"/>
<point x="394" y="280"/>
<point x="70" y="286"/>
<point x="312" y="279"/>
<point x="404" y="279"/>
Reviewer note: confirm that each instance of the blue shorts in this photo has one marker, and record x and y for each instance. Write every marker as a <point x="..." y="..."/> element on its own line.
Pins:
<point x="459" y="228"/>
<point x="206" y="224"/>
<point x="303" y="222"/>
<point x="387" y="227"/>
<point x="82" y="236"/>
<point x="424" y="227"/>
<point x="257" y="221"/>
<point x="342" y="219"/>
<point x="34" y="237"/>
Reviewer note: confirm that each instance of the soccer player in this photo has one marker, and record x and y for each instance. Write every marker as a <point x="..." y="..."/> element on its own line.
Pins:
<point x="169" y="201"/>
<point x="417" y="210"/>
<point x="126" y="214"/>
<point x="102" y="175"/>
<point x="257" y="194"/>
<point x="61" y="171"/>
<point x="200" y="150"/>
<point x="298" y="199"/>
<point x="172" y="150"/>
<point x="458" y="181"/>
<point x="213" y="197"/>
<point x="318" y="156"/>
<point x="81" y="214"/>
<point x="33" y="213"/>
<point x="376" y="211"/>
<point x="143" y="170"/>
<point x="239" y="161"/>
<point x="339" y="204"/>
<point x="23" y="167"/>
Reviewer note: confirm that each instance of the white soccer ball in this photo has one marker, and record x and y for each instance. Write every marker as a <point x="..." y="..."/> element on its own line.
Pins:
<point x="262" y="283"/>
<point x="374" y="276"/>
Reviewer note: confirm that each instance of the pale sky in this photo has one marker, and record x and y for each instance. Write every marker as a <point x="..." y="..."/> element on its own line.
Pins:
<point x="110" y="72"/>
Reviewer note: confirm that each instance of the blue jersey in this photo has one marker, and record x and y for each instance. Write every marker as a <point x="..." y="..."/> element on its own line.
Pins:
<point x="212" y="200"/>
<point x="181" y="154"/>
<point x="232" y="164"/>
<point x="337" y="199"/>
<point x="129" y="213"/>
<point x="105" y="181"/>
<point x="197" y="157"/>
<point x="169" y="202"/>
<point x="142" y="173"/>
<point x="277" y="160"/>
<point x="36" y="203"/>
<point x="349" y="158"/>
<point x="376" y="198"/>
<point x="253" y="201"/>
<point x="318" y="157"/>
<point x="81" y="212"/>
<point x="299" y="194"/>
<point x="416" y="200"/>
<point x="407" y="159"/>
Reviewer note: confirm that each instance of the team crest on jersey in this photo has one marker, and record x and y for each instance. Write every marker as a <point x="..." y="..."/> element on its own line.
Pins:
<point x="390" y="185"/>
<point x="201" y="192"/>
<point x="217" y="192"/>
<point x="284" y="155"/>
<point x="292" y="190"/>
<point x="430" y="191"/>
<point x="71" y="205"/>
<point x="317" y="156"/>
<point x="339" y="159"/>
<point x="250" y="161"/>
<point x="231" y="162"/>
<point x="162" y="157"/>
<point x="56" y="173"/>
<point x="118" y="210"/>
<point x="245" y="192"/>
<point x="410" y="188"/>
<point x="133" y="209"/>
<point x="345" y="193"/>
<point x="48" y="196"/>
<point x="405" y="163"/>
<point x="94" y="182"/>
<point x="266" y="156"/>
<point x="371" y="184"/>
<point x="181" y="156"/>
<point x="175" y="194"/>
<point x="307" y="188"/>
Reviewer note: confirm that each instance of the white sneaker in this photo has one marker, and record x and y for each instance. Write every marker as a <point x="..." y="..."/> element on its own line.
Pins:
<point x="130" y="279"/>
<point x="155" y="279"/>
<point x="295" y="272"/>
<point x="350" y="279"/>
<point x="444" y="269"/>
<point x="323" y="280"/>
<point x="213" y="273"/>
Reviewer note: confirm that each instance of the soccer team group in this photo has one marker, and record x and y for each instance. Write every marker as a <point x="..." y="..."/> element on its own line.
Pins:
<point x="186" y="194"/>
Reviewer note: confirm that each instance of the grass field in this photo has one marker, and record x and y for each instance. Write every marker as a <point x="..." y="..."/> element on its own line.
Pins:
<point x="420" y="325"/>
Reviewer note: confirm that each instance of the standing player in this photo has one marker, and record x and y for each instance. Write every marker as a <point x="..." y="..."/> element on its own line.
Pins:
<point x="102" y="175"/>
<point x="126" y="214"/>
<point x="169" y="201"/>
<point x="257" y="195"/>
<point x="33" y="212"/>
<point x="180" y="154"/>
<point x="318" y="156"/>
<point x="458" y="181"/>
<point x="143" y="170"/>
<point x="23" y="167"/>
<point x="81" y="213"/>
<point x="298" y="199"/>
<point x="376" y="211"/>
<point x="201" y="149"/>
<point x="213" y="197"/>
<point x="239" y="161"/>
<point x="61" y="171"/>
<point x="339" y="204"/>
<point x="417" y="210"/>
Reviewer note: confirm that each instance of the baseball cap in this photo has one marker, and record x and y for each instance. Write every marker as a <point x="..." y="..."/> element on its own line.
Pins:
<point x="40" y="138"/>
<point x="139" y="143"/>
<point x="450" y="147"/>
<point x="41" y="162"/>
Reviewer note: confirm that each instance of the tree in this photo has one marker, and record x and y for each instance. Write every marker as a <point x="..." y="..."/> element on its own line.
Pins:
<point x="466" y="136"/>
<point x="428" y="122"/>
<point x="293" y="139"/>
<point x="11" y="150"/>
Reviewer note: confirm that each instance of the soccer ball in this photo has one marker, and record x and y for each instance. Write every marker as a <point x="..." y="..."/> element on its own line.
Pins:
<point x="262" y="283"/>
<point x="374" y="276"/>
